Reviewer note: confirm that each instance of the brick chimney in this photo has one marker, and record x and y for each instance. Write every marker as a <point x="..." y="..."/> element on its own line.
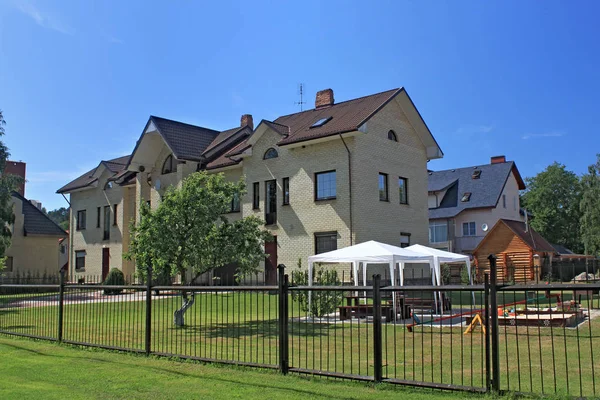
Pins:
<point x="498" y="159"/>
<point x="247" y="121"/>
<point x="324" y="98"/>
<point x="17" y="168"/>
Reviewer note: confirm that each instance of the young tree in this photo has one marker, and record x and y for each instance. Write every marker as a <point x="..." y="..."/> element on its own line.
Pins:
<point x="60" y="216"/>
<point x="8" y="183"/>
<point x="553" y="196"/>
<point x="590" y="209"/>
<point x="188" y="234"/>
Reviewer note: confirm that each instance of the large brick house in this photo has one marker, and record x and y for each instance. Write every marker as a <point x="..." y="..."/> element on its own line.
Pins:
<point x="465" y="203"/>
<point x="338" y="174"/>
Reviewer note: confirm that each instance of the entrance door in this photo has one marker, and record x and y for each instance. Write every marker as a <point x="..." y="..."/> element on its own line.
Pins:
<point x="105" y="262"/>
<point x="271" y="262"/>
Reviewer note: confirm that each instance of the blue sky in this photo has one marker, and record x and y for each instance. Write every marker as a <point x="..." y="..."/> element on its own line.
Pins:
<point x="78" y="79"/>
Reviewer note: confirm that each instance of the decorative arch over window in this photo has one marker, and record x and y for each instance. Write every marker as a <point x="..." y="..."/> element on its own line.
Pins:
<point x="392" y="136"/>
<point x="168" y="165"/>
<point x="270" y="153"/>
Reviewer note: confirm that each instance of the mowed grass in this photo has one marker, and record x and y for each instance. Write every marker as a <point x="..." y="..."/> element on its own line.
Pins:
<point x="244" y="327"/>
<point x="42" y="370"/>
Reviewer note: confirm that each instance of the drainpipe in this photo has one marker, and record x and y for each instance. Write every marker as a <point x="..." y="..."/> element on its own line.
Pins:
<point x="349" y="186"/>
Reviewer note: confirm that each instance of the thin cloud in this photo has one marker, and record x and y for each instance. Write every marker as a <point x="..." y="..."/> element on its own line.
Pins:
<point x="475" y="129"/>
<point x="542" y="135"/>
<point x="112" y="39"/>
<point x="43" y="19"/>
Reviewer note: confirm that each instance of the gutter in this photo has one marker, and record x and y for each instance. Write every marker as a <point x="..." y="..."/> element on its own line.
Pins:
<point x="349" y="187"/>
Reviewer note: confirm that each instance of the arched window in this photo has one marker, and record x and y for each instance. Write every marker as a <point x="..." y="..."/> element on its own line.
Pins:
<point x="167" y="167"/>
<point x="108" y="185"/>
<point x="270" y="153"/>
<point x="392" y="136"/>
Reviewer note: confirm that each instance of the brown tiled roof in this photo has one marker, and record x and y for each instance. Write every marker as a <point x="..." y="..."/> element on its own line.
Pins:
<point x="226" y="159"/>
<point x="188" y="142"/>
<point x="529" y="236"/>
<point x="346" y="116"/>
<point x="221" y="137"/>
<point x="116" y="166"/>
<point x="283" y="130"/>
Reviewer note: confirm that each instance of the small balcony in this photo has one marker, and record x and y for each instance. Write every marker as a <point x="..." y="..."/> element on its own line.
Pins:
<point x="466" y="243"/>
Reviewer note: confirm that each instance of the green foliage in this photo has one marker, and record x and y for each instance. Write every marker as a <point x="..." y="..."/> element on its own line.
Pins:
<point x="114" y="277"/>
<point x="553" y="197"/>
<point x="189" y="234"/>
<point x="464" y="275"/>
<point x="323" y="302"/>
<point x="60" y="216"/>
<point x="8" y="183"/>
<point x="446" y="274"/>
<point x="590" y="209"/>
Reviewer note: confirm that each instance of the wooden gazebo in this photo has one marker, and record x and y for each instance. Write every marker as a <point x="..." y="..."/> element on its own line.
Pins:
<point x="521" y="252"/>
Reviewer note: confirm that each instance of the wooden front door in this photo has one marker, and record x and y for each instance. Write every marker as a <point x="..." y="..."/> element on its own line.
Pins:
<point x="271" y="262"/>
<point x="105" y="262"/>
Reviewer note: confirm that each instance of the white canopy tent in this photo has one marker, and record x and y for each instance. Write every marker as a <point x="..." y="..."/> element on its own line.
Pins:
<point x="373" y="252"/>
<point x="441" y="256"/>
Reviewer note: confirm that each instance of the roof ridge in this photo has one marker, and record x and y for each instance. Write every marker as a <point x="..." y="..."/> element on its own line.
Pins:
<point x="471" y="167"/>
<point x="184" y="123"/>
<point x="341" y="102"/>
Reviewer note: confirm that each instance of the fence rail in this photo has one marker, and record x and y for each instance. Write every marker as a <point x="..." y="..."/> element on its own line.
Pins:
<point x="536" y="338"/>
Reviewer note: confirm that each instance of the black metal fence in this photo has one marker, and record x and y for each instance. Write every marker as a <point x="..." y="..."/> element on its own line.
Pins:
<point x="523" y="338"/>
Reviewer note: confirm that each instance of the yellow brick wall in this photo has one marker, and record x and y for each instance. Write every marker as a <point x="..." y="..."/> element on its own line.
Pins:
<point x="36" y="255"/>
<point x="91" y="238"/>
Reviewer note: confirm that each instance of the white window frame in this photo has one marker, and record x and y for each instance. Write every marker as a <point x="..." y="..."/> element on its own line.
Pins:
<point x="471" y="229"/>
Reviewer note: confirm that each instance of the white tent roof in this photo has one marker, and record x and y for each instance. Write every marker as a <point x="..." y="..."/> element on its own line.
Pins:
<point x="443" y="256"/>
<point x="371" y="252"/>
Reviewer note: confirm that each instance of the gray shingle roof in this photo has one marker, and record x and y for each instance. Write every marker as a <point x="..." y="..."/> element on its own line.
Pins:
<point x="222" y="137"/>
<point x="36" y="222"/>
<point x="116" y="165"/>
<point x="188" y="142"/>
<point x="485" y="191"/>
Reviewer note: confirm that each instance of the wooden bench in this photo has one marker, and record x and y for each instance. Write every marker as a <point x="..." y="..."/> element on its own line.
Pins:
<point x="365" y="310"/>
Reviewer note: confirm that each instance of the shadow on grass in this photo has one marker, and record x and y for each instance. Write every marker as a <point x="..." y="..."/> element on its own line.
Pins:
<point x="202" y="377"/>
<point x="262" y="329"/>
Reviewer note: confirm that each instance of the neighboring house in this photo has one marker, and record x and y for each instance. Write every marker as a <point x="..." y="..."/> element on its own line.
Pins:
<point x="102" y="209"/>
<point x="523" y="255"/>
<point x="63" y="249"/>
<point x="34" y="248"/>
<point x="464" y="203"/>
<point x="322" y="179"/>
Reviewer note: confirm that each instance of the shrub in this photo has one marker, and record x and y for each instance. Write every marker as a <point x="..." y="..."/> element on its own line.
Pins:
<point x="115" y="277"/>
<point x="464" y="275"/>
<point x="323" y="302"/>
<point x="446" y="274"/>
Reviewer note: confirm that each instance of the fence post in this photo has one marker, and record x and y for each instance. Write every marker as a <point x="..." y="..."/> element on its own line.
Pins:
<point x="486" y="290"/>
<point x="494" y="322"/>
<point x="282" y="282"/>
<point x="61" y="303"/>
<point x="148" y="311"/>
<point x="377" y="348"/>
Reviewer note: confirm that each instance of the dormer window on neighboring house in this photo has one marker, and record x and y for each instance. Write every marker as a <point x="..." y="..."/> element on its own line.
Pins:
<point x="466" y="197"/>
<point x="476" y="174"/>
<point x="168" y="165"/>
<point x="392" y="136"/>
<point x="270" y="153"/>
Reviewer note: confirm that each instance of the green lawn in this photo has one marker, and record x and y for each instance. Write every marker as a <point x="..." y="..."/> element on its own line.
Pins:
<point x="243" y="327"/>
<point x="33" y="369"/>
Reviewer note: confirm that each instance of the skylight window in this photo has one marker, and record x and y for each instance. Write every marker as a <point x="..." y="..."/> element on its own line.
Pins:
<point x="476" y="174"/>
<point x="466" y="197"/>
<point x="321" y="122"/>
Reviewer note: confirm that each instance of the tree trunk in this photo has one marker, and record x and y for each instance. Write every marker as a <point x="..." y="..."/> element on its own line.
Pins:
<point x="179" y="315"/>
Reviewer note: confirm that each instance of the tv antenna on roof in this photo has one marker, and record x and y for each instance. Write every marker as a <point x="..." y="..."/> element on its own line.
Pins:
<point x="301" y="93"/>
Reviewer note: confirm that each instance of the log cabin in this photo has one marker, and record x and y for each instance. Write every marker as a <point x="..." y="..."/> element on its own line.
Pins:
<point x="521" y="252"/>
